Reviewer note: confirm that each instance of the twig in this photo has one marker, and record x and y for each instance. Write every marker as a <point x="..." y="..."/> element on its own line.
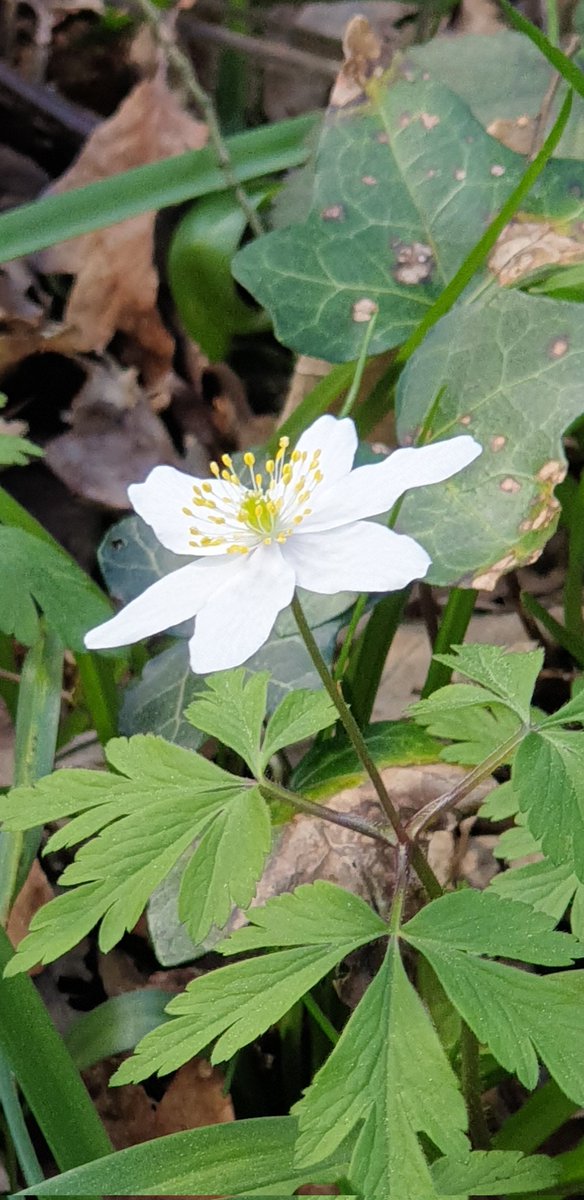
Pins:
<point x="48" y="103"/>
<point x="542" y="117"/>
<point x="260" y="48"/>
<point x="187" y="75"/>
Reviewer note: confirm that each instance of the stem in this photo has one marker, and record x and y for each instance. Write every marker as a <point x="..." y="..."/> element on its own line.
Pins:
<point x="368" y="661"/>
<point x="471" y="1088"/>
<point x="466" y="785"/>
<point x="273" y="791"/>
<point x="187" y="75"/>
<point x="575" y="572"/>
<point x="423" y="870"/>
<point x="402" y="867"/>
<point x="453" y="626"/>
<point x="353" y="392"/>
<point x="320" y="1018"/>
<point x="37" y="722"/>
<point x="566" y="638"/>
<point x="345" y="651"/>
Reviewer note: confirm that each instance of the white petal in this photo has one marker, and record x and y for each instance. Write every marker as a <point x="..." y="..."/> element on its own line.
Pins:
<point x="337" y="441"/>
<point x="363" y="557"/>
<point x="374" y="489"/>
<point x="239" y="618"/>
<point x="160" y="501"/>
<point x="170" y="600"/>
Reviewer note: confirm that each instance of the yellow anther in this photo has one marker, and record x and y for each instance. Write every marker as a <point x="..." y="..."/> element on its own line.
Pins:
<point x="287" y="474"/>
<point x="195" y="532"/>
<point x="237" y="549"/>
<point x="249" y="458"/>
<point x="227" y="460"/>
<point x="283" y="443"/>
<point x="267" y="541"/>
<point x="281" y="538"/>
<point x="188" y="512"/>
<point x="270" y="466"/>
<point x="300" y="485"/>
<point x="226" y="475"/>
<point x="207" y="487"/>
<point x="318" y="477"/>
<point x="298" y="520"/>
<point x="234" y="479"/>
<point x="217" y="520"/>
<point x="259" y="480"/>
<point x="295" y="456"/>
<point x="304" y="497"/>
<point x="214" y="469"/>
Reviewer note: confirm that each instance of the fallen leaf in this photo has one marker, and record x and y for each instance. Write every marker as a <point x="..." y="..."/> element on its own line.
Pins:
<point x="115" y="438"/>
<point x="116" y="282"/>
<point x="35" y="892"/>
<point x="526" y="246"/>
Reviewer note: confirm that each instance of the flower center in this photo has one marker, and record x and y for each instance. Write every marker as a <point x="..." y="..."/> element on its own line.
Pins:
<point x="235" y="515"/>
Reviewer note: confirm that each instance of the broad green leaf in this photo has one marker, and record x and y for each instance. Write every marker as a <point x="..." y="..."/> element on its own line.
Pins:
<point x="376" y="1079"/>
<point x="519" y="1016"/>
<point x="506" y="371"/>
<point x="226" y="865"/>
<point x="548" y="778"/>
<point x="446" y="177"/>
<point x="115" y="1026"/>
<point x="131" y="558"/>
<point x="332" y="765"/>
<point x="232" y="709"/>
<point x="156" y="702"/>
<point x="299" y="715"/>
<point x="543" y="886"/>
<point x="241" y="1158"/>
<point x="501" y="77"/>
<point x="15" y="451"/>
<point x="314" y="914"/>
<point x="139" y="822"/>
<point x="509" y="676"/>
<point x="484" y="923"/>
<point x="37" y="576"/>
<point x="237" y="1003"/>
<point x="494" y="1172"/>
<point x="254" y="153"/>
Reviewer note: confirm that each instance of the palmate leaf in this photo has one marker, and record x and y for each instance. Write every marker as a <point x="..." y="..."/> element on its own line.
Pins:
<point x="548" y="779"/>
<point x="139" y="822"/>
<point x="413" y="139"/>
<point x="494" y="1172"/>
<point x="376" y="1079"/>
<point x="521" y="1017"/>
<point x="36" y="575"/>
<point x="505" y="675"/>
<point x="320" y="923"/>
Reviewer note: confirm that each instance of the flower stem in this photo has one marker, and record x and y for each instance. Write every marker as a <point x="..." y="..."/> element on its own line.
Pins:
<point x="466" y="785"/>
<point x="417" y="859"/>
<point x="353" y="392"/>
<point x="273" y="791"/>
<point x="471" y="1088"/>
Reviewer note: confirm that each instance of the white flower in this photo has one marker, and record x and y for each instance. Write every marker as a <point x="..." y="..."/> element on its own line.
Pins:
<point x="299" y="523"/>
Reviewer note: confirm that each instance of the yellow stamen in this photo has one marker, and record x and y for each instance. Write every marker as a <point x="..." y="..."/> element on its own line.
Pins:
<point x="227" y="461"/>
<point x="249" y="458"/>
<point x="214" y="469"/>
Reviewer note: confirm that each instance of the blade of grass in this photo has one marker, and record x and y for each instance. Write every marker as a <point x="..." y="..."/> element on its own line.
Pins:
<point x="264" y="151"/>
<point x="475" y="259"/>
<point x="564" y="637"/>
<point x="115" y="1026"/>
<point x="319" y="399"/>
<point x="37" y="723"/>
<point x="45" y="1072"/>
<point x="16" y="1125"/>
<point x="571" y="73"/>
<point x="453" y="626"/>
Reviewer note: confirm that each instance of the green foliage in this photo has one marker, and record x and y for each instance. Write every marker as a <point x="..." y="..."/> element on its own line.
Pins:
<point x="15" y="451"/>
<point x="377" y="1078"/>
<point x="238" y="1002"/>
<point x="492" y="1172"/>
<point x="140" y="820"/>
<point x="332" y="765"/>
<point x="36" y="575"/>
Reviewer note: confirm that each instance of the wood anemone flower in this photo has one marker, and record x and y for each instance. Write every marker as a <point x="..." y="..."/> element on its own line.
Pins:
<point x="257" y="536"/>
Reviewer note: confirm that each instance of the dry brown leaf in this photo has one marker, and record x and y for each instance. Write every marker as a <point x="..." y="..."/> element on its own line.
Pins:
<point x="35" y="892"/>
<point x="116" y="282"/>
<point x="362" y="50"/>
<point x="115" y="438"/>
<point x="526" y="246"/>
<point x="193" y="1099"/>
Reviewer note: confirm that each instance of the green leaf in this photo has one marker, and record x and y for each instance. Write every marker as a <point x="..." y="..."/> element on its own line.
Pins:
<point x="255" y="153"/>
<point x="506" y="371"/>
<point x="501" y="803"/>
<point x="519" y="1016"/>
<point x="542" y="885"/>
<point x="376" y="1079"/>
<point x="508" y="676"/>
<point x="238" y="1002"/>
<point x="115" y="1026"/>
<point x="226" y="865"/>
<point x="548" y="777"/>
<point x="398" y="142"/>
<point x="484" y="923"/>
<point x="37" y="576"/>
<point x="242" y="1158"/>
<point x="314" y="914"/>
<point x="232" y="710"/>
<point x="494" y="1172"/>
<point x="139" y="822"/>
<point x="156" y="702"/>
<point x="131" y="558"/>
<point x="299" y="715"/>
<point x="332" y="765"/>
<point x="476" y="725"/>
<point x="571" y="712"/>
<point x="15" y="451"/>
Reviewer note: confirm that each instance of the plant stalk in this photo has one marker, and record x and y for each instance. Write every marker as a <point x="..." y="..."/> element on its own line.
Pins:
<point x="471" y="1088"/>
<point x="274" y="791"/>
